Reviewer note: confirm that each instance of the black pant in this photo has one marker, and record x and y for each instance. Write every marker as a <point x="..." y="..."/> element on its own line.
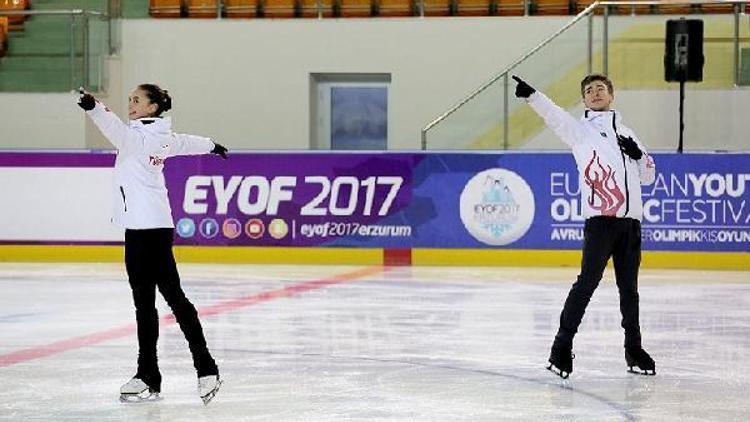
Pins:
<point x="150" y="263"/>
<point x="619" y="238"/>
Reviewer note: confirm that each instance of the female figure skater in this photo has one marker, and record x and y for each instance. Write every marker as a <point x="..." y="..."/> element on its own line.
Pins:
<point x="141" y="207"/>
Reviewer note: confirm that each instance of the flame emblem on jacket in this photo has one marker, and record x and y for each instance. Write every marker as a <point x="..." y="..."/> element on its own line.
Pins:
<point x="606" y="197"/>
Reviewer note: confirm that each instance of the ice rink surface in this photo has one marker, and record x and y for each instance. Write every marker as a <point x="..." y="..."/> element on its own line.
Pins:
<point x="327" y="343"/>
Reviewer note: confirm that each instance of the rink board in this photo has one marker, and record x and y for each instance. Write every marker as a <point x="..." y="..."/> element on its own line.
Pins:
<point x="371" y="256"/>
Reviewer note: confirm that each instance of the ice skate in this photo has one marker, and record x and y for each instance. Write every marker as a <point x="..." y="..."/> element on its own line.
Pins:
<point x="639" y="362"/>
<point x="208" y="386"/>
<point x="136" y="391"/>
<point x="561" y="361"/>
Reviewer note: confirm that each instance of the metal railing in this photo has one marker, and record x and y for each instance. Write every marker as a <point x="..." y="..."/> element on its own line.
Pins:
<point x="739" y="8"/>
<point x="81" y="62"/>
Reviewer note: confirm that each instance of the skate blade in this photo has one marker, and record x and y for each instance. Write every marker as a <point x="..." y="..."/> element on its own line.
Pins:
<point x="144" y="397"/>
<point x="638" y="371"/>
<point x="557" y="371"/>
<point x="208" y="397"/>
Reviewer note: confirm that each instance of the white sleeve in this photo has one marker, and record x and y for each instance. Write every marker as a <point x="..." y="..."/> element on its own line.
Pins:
<point x="646" y="165"/>
<point x="117" y="133"/>
<point x="565" y="126"/>
<point x="184" y="144"/>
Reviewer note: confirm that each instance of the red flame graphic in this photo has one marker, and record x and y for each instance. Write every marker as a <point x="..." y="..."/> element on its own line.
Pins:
<point x="606" y="196"/>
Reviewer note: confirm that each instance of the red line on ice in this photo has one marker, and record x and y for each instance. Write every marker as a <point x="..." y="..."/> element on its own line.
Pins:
<point x="46" y="350"/>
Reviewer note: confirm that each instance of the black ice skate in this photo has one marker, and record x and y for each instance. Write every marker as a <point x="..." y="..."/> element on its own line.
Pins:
<point x="208" y="386"/>
<point x="639" y="362"/>
<point x="561" y="361"/>
<point x="137" y="391"/>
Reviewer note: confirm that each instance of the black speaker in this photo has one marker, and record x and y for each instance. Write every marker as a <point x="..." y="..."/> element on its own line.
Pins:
<point x="683" y="51"/>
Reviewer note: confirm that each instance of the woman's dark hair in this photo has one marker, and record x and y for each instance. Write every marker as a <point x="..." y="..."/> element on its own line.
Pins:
<point x="157" y="96"/>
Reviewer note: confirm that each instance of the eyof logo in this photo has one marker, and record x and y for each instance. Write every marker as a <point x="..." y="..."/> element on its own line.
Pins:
<point x="497" y="207"/>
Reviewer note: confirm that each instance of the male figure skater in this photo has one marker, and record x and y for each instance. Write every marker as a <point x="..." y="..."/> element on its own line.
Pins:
<point x="612" y="165"/>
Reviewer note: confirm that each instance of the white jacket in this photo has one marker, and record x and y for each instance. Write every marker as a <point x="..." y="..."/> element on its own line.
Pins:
<point x="609" y="180"/>
<point x="140" y="198"/>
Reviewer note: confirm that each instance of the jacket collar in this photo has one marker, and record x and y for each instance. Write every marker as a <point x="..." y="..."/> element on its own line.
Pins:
<point x="153" y="124"/>
<point x="592" y="115"/>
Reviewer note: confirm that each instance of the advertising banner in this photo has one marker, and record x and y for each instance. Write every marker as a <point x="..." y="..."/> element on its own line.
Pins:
<point x="515" y="200"/>
<point x="293" y="199"/>
<point x="699" y="202"/>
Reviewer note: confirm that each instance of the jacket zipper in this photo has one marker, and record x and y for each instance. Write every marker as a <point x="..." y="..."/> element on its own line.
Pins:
<point x="624" y="166"/>
<point x="122" y="192"/>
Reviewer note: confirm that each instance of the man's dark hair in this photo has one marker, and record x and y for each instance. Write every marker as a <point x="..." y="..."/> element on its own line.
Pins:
<point x="597" y="77"/>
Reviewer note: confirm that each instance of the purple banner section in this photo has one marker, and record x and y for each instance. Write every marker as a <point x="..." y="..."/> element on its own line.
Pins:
<point x="57" y="159"/>
<point x="291" y="199"/>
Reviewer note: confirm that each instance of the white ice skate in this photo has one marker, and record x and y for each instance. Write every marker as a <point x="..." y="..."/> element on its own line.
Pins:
<point x="208" y="386"/>
<point x="136" y="391"/>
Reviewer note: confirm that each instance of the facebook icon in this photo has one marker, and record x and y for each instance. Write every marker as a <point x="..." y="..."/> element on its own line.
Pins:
<point x="209" y="228"/>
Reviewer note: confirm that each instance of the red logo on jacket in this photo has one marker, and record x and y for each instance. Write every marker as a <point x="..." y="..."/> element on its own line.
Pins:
<point x="155" y="161"/>
<point x="606" y="197"/>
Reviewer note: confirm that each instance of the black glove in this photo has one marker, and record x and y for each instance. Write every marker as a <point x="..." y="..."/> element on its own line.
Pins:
<point x="629" y="147"/>
<point x="87" y="101"/>
<point x="523" y="90"/>
<point x="220" y="151"/>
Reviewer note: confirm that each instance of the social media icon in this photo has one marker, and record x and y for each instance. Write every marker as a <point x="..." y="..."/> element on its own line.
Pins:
<point x="254" y="228"/>
<point x="232" y="228"/>
<point x="185" y="227"/>
<point x="209" y="228"/>
<point x="278" y="228"/>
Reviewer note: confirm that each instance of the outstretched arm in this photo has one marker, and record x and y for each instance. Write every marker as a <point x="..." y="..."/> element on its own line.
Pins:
<point x="193" y="145"/>
<point x="117" y="133"/>
<point x="565" y="126"/>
